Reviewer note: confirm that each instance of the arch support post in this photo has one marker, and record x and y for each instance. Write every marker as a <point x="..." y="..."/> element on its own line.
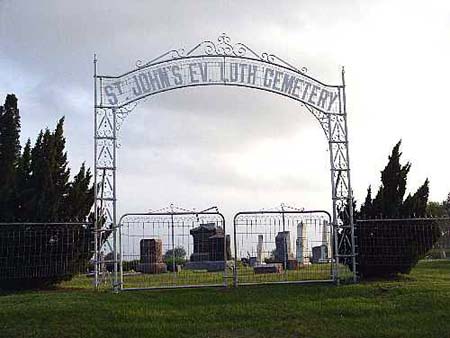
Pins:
<point x="105" y="145"/>
<point x="342" y="196"/>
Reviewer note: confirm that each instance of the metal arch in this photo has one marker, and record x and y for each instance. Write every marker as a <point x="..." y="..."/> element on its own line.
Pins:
<point x="109" y="119"/>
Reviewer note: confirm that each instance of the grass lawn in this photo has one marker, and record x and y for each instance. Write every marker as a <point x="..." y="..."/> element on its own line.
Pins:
<point x="246" y="275"/>
<point x="416" y="305"/>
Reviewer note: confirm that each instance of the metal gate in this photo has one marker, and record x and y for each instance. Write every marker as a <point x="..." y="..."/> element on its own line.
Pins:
<point x="283" y="247"/>
<point x="172" y="250"/>
<point x="226" y="63"/>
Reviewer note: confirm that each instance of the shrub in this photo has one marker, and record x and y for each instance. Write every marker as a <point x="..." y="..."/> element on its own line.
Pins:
<point x="178" y="254"/>
<point x="39" y="255"/>
<point x="388" y="247"/>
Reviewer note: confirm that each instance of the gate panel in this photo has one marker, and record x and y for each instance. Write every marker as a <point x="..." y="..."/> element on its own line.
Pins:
<point x="283" y="247"/>
<point x="169" y="250"/>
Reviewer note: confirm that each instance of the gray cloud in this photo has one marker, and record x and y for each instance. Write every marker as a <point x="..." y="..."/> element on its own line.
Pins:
<point x="186" y="143"/>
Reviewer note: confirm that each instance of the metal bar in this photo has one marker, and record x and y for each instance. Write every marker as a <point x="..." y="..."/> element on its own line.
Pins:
<point x="286" y="212"/>
<point x="114" y="220"/>
<point x="167" y="214"/>
<point x="333" y="198"/>
<point x="285" y="253"/>
<point x="235" y="275"/>
<point x="95" y="175"/>
<point x="45" y="223"/>
<point x="105" y="168"/>
<point x="324" y="281"/>
<point x="120" y="258"/>
<point x="173" y="246"/>
<point x="350" y="192"/>
<point x="174" y="287"/>
<point x="101" y="91"/>
<point x="106" y="198"/>
<point x="105" y="137"/>
<point x="403" y="219"/>
<point x="312" y="281"/>
<point x="225" y="257"/>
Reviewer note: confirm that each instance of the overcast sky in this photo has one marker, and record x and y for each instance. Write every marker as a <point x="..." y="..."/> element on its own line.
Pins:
<point x="238" y="148"/>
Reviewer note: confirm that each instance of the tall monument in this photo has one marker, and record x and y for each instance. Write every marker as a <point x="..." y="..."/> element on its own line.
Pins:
<point x="301" y="243"/>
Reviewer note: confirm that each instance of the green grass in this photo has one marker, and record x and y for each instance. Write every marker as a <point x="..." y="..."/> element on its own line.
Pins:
<point x="202" y="277"/>
<point x="246" y="275"/>
<point x="416" y="305"/>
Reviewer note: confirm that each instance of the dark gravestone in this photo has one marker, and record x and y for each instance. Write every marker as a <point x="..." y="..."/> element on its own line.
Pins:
<point x="151" y="260"/>
<point x="202" y="244"/>
<point x="216" y="252"/>
<point x="292" y="264"/>
<point x="268" y="268"/>
<point x="283" y="247"/>
<point x="320" y="254"/>
<point x="209" y="243"/>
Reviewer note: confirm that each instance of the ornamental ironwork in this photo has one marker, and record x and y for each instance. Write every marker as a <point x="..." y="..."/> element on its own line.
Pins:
<point x="225" y="63"/>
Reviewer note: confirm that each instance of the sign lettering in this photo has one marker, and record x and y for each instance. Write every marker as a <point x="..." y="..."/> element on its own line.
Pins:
<point x="218" y="70"/>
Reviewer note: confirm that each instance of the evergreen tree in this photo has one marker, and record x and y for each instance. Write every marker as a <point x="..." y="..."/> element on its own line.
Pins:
<point x="36" y="165"/>
<point x="436" y="209"/>
<point x="42" y="179"/>
<point x="446" y="205"/>
<point x="389" y="199"/>
<point x="59" y="170"/>
<point x="80" y="197"/>
<point x="387" y="247"/>
<point x="389" y="202"/>
<point x="50" y="175"/>
<point x="9" y="155"/>
<point x="23" y="185"/>
<point x="415" y="206"/>
<point x="367" y="208"/>
<point x="35" y="187"/>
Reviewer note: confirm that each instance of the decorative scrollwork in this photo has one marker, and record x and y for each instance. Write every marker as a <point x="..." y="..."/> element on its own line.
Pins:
<point x="171" y="54"/>
<point x="223" y="47"/>
<point x="121" y="114"/>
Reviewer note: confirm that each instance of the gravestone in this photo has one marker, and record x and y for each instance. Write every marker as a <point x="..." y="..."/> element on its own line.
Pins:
<point x="216" y="249"/>
<point x="301" y="243"/>
<point x="268" y="268"/>
<point x="320" y="254"/>
<point x="283" y="247"/>
<point x="151" y="257"/>
<point x="209" y="243"/>
<point x="259" y="249"/>
<point x="292" y="264"/>
<point x="202" y="244"/>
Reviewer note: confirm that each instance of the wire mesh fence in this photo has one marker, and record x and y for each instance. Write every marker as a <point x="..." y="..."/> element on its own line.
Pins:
<point x="391" y="246"/>
<point x="283" y="246"/>
<point x="188" y="249"/>
<point x="35" y="254"/>
<point x="174" y="249"/>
